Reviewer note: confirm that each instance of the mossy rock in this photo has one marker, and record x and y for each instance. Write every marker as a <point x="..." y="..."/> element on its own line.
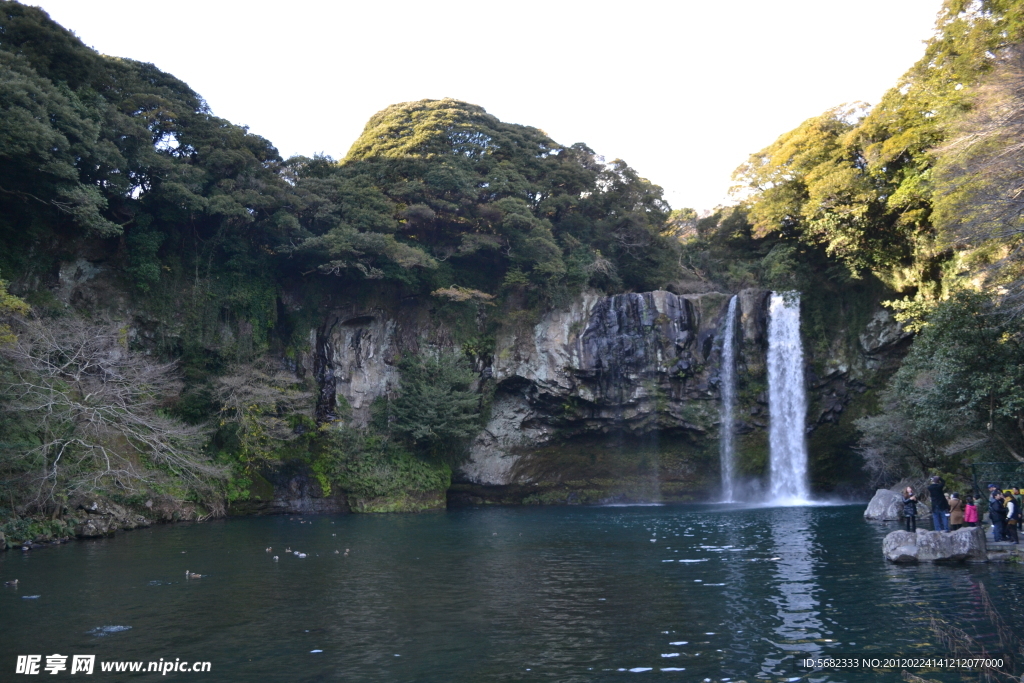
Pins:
<point x="752" y="454"/>
<point x="620" y="458"/>
<point x="260" y="489"/>
<point x="406" y="501"/>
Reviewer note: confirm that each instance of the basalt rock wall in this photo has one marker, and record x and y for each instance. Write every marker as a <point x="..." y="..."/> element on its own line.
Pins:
<point x="609" y="398"/>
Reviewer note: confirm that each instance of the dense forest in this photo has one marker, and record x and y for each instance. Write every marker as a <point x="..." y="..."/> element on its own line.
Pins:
<point x="221" y="251"/>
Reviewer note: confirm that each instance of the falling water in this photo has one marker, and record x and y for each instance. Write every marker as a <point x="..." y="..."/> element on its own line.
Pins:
<point x="787" y="401"/>
<point x="728" y="388"/>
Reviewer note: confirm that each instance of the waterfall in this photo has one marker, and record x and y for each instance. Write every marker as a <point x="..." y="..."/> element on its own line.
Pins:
<point x="787" y="401"/>
<point x="727" y="377"/>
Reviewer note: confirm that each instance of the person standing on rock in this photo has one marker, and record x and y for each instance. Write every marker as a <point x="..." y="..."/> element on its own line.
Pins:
<point x="910" y="509"/>
<point x="936" y="492"/>
<point x="956" y="512"/>
<point x="997" y="514"/>
<point x="1012" y="517"/>
<point x="997" y="528"/>
<point x="970" y="512"/>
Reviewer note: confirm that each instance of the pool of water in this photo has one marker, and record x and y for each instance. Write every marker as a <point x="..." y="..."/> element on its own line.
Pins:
<point x="500" y="594"/>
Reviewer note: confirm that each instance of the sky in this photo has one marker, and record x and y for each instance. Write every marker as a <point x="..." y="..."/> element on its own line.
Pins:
<point x="683" y="91"/>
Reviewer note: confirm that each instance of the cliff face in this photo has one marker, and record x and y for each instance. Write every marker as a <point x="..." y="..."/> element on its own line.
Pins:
<point x="606" y="372"/>
<point x="611" y="398"/>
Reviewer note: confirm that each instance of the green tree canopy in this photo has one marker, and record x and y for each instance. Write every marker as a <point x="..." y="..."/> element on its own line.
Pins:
<point x="437" y="409"/>
<point x="860" y="181"/>
<point x="960" y="391"/>
<point x="442" y="181"/>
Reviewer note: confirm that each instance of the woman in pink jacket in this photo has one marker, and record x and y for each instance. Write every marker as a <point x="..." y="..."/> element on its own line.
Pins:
<point x="970" y="512"/>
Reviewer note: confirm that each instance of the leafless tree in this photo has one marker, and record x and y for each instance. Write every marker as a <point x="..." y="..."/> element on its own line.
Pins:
<point x="260" y="397"/>
<point x="90" y="413"/>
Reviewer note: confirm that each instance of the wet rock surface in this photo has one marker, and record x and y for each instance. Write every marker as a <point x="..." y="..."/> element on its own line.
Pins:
<point x="291" y="489"/>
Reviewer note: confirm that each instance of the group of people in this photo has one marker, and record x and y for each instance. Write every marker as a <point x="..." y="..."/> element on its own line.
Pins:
<point x="1005" y="512"/>
<point x="950" y="512"/>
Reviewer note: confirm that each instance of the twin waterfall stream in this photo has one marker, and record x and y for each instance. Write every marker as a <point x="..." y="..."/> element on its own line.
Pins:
<point x="787" y="404"/>
<point x="727" y="382"/>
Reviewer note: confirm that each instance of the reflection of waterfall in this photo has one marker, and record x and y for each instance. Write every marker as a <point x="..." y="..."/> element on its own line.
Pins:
<point x="728" y="389"/>
<point x="787" y="400"/>
<point x="796" y="607"/>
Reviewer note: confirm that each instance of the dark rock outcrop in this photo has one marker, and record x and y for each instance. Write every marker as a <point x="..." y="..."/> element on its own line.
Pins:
<point x="101" y="517"/>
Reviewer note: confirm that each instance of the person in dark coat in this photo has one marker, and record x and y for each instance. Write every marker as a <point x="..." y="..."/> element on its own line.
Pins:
<point x="937" y="494"/>
<point x="997" y="527"/>
<point x="1012" y="517"/>
<point x="910" y="509"/>
<point x="997" y="513"/>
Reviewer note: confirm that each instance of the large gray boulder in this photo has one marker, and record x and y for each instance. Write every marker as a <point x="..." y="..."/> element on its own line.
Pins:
<point x="962" y="545"/>
<point x="900" y="547"/>
<point x="885" y="506"/>
<point x="968" y="543"/>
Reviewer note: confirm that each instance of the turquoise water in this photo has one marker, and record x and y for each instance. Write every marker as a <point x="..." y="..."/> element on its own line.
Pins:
<point x="499" y="594"/>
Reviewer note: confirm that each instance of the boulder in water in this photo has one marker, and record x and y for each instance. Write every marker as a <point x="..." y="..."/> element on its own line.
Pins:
<point x="885" y="506"/>
<point x="900" y="547"/>
<point x="962" y="545"/>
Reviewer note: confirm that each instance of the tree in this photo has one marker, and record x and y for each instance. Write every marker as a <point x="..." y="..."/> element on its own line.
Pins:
<point x="83" y="414"/>
<point x="10" y="305"/>
<point x="443" y="181"/>
<point x="980" y="179"/>
<point x="814" y="185"/>
<point x="266" y="406"/>
<point x="959" y="391"/>
<point x="859" y="181"/>
<point x="436" y="408"/>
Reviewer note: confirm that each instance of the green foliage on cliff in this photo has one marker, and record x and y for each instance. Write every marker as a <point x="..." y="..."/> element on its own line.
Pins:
<point x="959" y="395"/>
<point x="436" y="410"/>
<point x="368" y="465"/>
<point x="10" y="306"/>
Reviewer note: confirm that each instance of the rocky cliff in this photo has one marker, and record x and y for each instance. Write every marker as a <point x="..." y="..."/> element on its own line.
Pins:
<point x="612" y="398"/>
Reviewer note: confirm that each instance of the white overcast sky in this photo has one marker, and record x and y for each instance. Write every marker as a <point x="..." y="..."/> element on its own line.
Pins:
<point x="683" y="91"/>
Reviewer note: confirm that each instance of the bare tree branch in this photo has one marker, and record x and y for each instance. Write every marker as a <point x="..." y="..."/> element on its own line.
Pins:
<point x="93" y="414"/>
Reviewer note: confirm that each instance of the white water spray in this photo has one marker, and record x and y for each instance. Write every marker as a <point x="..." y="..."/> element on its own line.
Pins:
<point x="787" y="402"/>
<point x="727" y="378"/>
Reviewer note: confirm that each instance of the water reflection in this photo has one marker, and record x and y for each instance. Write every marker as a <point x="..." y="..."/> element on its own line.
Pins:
<point x="797" y="622"/>
<point x="569" y="594"/>
<point x="739" y="626"/>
